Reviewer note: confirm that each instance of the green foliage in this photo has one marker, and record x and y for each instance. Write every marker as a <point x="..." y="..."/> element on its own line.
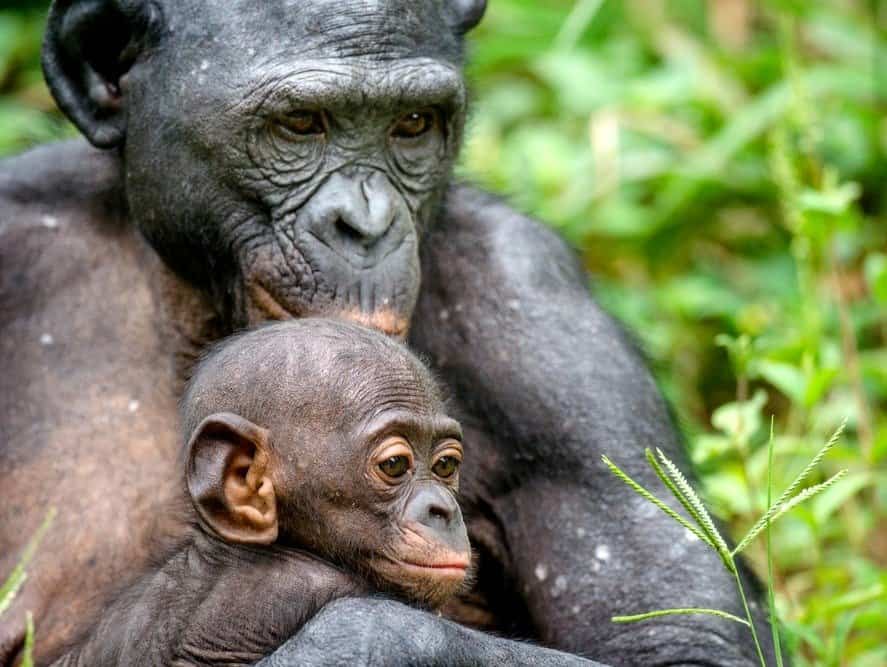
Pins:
<point x="27" y="113"/>
<point x="720" y="165"/>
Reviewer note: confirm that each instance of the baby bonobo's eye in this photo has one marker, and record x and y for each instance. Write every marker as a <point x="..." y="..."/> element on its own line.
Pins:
<point x="414" y="124"/>
<point x="299" y="124"/>
<point x="445" y="466"/>
<point x="393" y="459"/>
<point x="395" y="466"/>
<point x="448" y="461"/>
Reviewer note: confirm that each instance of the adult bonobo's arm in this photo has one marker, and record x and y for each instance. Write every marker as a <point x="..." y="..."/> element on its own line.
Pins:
<point x="549" y="383"/>
<point x="366" y="631"/>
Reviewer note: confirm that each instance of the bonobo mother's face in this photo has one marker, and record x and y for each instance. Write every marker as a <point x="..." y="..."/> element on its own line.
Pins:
<point x="285" y="155"/>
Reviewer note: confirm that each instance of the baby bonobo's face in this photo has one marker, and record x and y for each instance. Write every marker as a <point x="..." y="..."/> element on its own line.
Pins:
<point x="395" y="517"/>
<point x="330" y="438"/>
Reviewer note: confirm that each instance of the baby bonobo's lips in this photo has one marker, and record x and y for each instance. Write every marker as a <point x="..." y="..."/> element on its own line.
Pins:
<point x="263" y="306"/>
<point x="455" y="565"/>
<point x="443" y="573"/>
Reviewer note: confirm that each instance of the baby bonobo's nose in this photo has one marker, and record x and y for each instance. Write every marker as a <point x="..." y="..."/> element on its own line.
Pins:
<point x="434" y="507"/>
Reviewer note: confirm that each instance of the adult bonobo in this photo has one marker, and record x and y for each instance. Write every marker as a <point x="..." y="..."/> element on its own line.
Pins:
<point x="262" y="160"/>
<point x="320" y="463"/>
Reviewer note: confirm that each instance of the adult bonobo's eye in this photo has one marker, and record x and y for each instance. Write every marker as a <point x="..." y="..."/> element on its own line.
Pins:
<point x="393" y="460"/>
<point x="448" y="461"/>
<point x="414" y="124"/>
<point x="299" y="124"/>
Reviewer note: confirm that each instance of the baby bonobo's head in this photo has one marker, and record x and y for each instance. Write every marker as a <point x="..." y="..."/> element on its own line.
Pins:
<point x="331" y="438"/>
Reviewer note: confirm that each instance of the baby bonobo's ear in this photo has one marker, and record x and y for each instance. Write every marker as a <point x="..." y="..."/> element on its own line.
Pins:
<point x="229" y="479"/>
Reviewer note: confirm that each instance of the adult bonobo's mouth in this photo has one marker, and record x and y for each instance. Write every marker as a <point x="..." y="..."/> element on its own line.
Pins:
<point x="350" y="251"/>
<point x="262" y="306"/>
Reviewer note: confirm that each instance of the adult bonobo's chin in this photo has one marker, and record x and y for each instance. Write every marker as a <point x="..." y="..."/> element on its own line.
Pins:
<point x="284" y="155"/>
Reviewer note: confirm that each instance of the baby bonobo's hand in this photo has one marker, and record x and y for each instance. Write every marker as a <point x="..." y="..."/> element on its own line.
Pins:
<point x="319" y="464"/>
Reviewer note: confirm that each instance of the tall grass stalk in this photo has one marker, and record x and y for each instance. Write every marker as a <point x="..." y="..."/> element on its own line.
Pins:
<point x="701" y="524"/>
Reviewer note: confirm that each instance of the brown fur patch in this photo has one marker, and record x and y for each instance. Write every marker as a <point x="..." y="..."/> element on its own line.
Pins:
<point x="384" y="320"/>
<point x="263" y="307"/>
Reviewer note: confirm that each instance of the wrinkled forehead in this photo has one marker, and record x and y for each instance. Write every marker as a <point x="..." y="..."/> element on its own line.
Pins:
<point x="377" y="385"/>
<point x="290" y="30"/>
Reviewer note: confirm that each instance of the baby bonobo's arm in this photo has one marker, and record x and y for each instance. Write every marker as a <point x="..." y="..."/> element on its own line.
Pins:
<point x="212" y="603"/>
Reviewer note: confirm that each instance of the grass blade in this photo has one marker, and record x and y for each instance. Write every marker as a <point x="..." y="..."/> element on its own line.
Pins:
<point x="11" y="586"/>
<point x="641" y="491"/>
<point x="28" y="650"/>
<point x="17" y="577"/>
<point x="771" y="596"/>
<point x="670" y="612"/>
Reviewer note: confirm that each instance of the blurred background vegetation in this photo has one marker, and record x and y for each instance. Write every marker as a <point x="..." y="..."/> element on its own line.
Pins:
<point x="721" y="166"/>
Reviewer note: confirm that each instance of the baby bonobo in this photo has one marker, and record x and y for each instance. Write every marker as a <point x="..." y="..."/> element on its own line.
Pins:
<point x="319" y="464"/>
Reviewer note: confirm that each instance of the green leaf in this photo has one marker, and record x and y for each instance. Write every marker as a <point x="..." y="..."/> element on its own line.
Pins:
<point x="634" y="618"/>
<point x="835" y="201"/>
<point x="787" y="378"/>
<point x="740" y="421"/>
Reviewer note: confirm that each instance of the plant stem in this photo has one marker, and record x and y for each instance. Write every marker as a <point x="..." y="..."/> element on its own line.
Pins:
<point x="771" y="597"/>
<point x="751" y="620"/>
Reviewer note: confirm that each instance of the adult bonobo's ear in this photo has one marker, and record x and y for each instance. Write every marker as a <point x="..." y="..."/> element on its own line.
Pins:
<point x="89" y="47"/>
<point x="229" y="480"/>
<point x="467" y="13"/>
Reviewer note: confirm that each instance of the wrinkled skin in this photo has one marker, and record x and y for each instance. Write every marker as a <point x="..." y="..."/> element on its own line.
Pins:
<point x="202" y="214"/>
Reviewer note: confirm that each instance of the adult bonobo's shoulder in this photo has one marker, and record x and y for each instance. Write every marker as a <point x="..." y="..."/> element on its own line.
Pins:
<point x="69" y="178"/>
<point x="57" y="203"/>
<point x="525" y="253"/>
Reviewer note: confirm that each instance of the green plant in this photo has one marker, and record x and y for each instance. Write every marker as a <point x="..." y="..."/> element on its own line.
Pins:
<point x="702" y="526"/>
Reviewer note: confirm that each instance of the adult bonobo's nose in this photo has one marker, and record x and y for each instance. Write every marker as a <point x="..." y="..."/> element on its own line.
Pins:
<point x="435" y="508"/>
<point x="353" y="214"/>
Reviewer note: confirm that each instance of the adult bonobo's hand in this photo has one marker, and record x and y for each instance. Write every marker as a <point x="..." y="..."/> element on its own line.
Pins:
<point x="384" y="633"/>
